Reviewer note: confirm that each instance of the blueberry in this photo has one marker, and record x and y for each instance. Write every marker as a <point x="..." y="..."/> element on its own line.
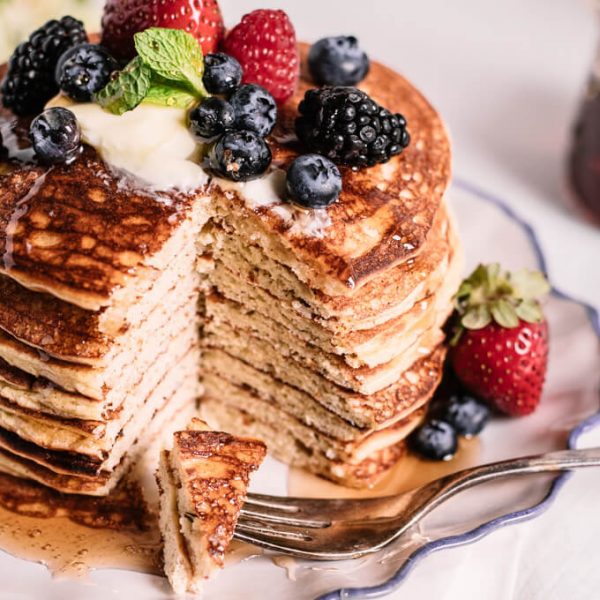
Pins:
<point x="466" y="414"/>
<point x="255" y="109"/>
<point x="239" y="155"/>
<point x="435" y="440"/>
<point x="313" y="181"/>
<point x="337" y="61"/>
<point x="56" y="136"/>
<point x="211" y="117"/>
<point x="222" y="73"/>
<point x="84" y="70"/>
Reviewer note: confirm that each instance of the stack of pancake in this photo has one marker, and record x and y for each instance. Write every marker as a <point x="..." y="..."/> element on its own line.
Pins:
<point x="98" y="320"/>
<point x="323" y="330"/>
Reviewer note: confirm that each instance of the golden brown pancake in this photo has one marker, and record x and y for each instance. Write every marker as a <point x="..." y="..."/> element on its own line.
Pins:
<point x="332" y="330"/>
<point x="203" y="482"/>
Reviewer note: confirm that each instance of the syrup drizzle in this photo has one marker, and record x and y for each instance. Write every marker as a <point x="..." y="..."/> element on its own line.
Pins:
<point x="73" y="534"/>
<point x="20" y="210"/>
<point x="12" y="142"/>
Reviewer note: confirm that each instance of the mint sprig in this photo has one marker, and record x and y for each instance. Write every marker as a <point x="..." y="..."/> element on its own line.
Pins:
<point x="173" y="54"/>
<point x="127" y="89"/>
<point x="167" y="71"/>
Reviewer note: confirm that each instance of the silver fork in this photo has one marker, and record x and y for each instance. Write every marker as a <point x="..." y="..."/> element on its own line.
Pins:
<point x="321" y="529"/>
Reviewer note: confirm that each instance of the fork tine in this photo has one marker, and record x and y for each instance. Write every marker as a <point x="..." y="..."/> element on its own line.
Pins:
<point x="320" y="509"/>
<point x="328" y="543"/>
<point x="283" y="518"/>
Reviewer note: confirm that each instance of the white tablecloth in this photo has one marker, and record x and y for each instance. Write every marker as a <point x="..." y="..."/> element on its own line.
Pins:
<point x="507" y="76"/>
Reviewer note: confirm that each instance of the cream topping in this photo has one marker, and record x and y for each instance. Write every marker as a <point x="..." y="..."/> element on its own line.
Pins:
<point x="150" y="142"/>
<point x="153" y="144"/>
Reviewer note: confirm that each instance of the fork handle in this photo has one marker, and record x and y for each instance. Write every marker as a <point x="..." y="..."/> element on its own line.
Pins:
<point x="440" y="490"/>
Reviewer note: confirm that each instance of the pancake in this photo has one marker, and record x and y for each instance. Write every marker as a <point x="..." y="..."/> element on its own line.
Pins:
<point x="320" y="330"/>
<point x="383" y="217"/>
<point x="104" y="482"/>
<point x="40" y="395"/>
<point x="293" y="452"/>
<point x="312" y="435"/>
<point x="175" y="385"/>
<point x="71" y="333"/>
<point x="126" y="365"/>
<point x="203" y="482"/>
<point x="95" y="439"/>
<point x="356" y="413"/>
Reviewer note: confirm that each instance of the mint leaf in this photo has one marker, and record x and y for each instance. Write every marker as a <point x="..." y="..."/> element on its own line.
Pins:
<point x="127" y="89"/>
<point x="168" y="93"/>
<point x="173" y="54"/>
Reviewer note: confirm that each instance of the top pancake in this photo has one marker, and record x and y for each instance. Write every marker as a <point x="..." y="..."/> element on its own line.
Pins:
<point x="385" y="212"/>
<point x="76" y="232"/>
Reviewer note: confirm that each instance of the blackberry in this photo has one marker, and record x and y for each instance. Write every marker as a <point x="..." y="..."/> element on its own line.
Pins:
<point x="347" y="126"/>
<point x="30" y="82"/>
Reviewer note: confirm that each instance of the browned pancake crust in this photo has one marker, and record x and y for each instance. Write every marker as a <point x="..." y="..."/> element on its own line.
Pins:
<point x="82" y="231"/>
<point x="398" y="214"/>
<point x="45" y="321"/>
<point x="216" y="500"/>
<point x="78" y="228"/>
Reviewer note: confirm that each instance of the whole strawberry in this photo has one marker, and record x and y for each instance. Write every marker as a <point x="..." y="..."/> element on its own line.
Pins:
<point x="264" y="43"/>
<point x="124" y="18"/>
<point x="500" y="347"/>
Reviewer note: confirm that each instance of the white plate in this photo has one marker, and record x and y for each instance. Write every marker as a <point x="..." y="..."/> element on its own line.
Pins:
<point x="490" y="233"/>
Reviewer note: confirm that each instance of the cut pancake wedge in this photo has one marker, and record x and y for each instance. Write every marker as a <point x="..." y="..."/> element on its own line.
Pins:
<point x="203" y="483"/>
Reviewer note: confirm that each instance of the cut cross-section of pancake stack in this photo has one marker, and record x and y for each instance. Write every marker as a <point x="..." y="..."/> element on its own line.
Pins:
<point x="324" y="328"/>
<point x="98" y="322"/>
<point x="332" y="383"/>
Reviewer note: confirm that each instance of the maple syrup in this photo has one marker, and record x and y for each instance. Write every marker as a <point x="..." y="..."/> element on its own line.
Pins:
<point x="73" y="534"/>
<point x="409" y="473"/>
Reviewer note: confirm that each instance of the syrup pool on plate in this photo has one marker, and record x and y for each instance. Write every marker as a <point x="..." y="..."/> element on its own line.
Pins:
<point x="410" y="472"/>
<point x="112" y="532"/>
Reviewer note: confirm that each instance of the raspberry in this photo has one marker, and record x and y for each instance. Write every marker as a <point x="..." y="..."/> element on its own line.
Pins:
<point x="264" y="43"/>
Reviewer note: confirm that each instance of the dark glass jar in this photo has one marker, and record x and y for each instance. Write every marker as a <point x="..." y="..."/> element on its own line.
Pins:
<point x="584" y="160"/>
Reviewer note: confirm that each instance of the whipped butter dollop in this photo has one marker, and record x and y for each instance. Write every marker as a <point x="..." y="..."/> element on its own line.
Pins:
<point x="151" y="142"/>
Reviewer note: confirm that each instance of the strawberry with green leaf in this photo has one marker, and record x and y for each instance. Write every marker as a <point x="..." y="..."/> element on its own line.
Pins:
<point x="500" y="346"/>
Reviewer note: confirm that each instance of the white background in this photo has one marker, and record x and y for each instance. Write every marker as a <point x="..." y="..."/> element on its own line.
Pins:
<point x="507" y="76"/>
